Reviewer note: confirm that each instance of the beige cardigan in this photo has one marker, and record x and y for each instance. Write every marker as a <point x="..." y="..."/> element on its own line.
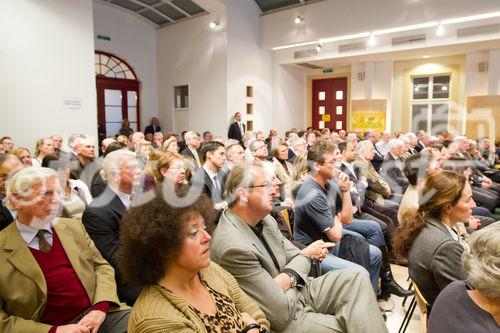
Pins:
<point x="158" y="310"/>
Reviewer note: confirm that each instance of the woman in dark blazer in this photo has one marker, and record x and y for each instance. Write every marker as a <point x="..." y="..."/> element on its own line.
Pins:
<point x="428" y="236"/>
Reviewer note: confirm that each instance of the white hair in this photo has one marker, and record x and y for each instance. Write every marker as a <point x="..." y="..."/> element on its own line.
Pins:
<point x="189" y="135"/>
<point x="112" y="162"/>
<point x="23" y="180"/>
<point x="395" y="143"/>
<point x="410" y="136"/>
<point x="481" y="263"/>
<point x="363" y="146"/>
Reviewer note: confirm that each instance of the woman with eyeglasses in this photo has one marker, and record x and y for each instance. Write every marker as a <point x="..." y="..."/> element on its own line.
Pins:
<point x="165" y="167"/>
<point x="166" y="250"/>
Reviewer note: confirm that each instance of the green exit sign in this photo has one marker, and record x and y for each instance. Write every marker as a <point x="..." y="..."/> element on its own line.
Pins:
<point x="103" y="37"/>
<point x="327" y="70"/>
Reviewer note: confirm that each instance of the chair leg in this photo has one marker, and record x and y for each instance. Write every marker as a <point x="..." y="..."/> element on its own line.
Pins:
<point x="407" y="318"/>
<point x="409" y="287"/>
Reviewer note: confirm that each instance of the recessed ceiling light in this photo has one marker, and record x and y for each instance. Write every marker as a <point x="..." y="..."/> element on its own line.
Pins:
<point x="440" y="30"/>
<point x="298" y="19"/>
<point x="318" y="47"/>
<point x="426" y="56"/>
<point x="214" y="24"/>
<point x="371" y="40"/>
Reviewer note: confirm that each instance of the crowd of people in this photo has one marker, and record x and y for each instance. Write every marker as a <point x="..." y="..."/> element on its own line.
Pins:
<point x="249" y="233"/>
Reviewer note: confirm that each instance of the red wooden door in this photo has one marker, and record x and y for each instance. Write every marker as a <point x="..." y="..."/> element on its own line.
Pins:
<point x="329" y="104"/>
<point x="117" y="99"/>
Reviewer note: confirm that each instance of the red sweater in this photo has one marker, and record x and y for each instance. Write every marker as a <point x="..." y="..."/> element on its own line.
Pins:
<point x="66" y="296"/>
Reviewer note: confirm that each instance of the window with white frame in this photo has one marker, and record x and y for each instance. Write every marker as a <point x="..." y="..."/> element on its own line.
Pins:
<point x="430" y="102"/>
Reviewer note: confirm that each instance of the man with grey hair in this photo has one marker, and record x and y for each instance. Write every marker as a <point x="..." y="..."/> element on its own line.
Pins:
<point x="192" y="150"/>
<point x="382" y="144"/>
<point x="392" y="168"/>
<point x="53" y="279"/>
<point x="259" y="151"/>
<point x="248" y="244"/>
<point x="102" y="217"/>
<point x="73" y="140"/>
<point x="412" y="141"/>
<point x="378" y="157"/>
<point x="157" y="140"/>
<point x="135" y="139"/>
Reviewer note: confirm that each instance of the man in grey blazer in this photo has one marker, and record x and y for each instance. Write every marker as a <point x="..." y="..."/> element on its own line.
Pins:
<point x="248" y="244"/>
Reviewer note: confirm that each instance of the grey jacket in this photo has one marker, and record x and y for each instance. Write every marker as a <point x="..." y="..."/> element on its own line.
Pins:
<point x="238" y="250"/>
<point x="434" y="259"/>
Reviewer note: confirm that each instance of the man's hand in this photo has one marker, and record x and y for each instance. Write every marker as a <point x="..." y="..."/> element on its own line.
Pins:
<point x="93" y="320"/>
<point x="317" y="249"/>
<point x="486" y="182"/>
<point x="283" y="281"/>
<point x="343" y="182"/>
<point x="288" y="203"/>
<point x="220" y="205"/>
<point x="247" y="320"/>
<point x="72" y="328"/>
<point x="474" y="223"/>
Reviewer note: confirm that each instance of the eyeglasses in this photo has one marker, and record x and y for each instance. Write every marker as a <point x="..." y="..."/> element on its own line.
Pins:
<point x="266" y="185"/>
<point x="195" y="233"/>
<point x="261" y="147"/>
<point x="49" y="194"/>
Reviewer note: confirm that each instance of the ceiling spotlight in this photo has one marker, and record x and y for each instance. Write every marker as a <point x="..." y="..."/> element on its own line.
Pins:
<point x="440" y="30"/>
<point x="318" y="47"/>
<point x="371" y="40"/>
<point x="298" y="19"/>
<point x="214" y="24"/>
<point x="426" y="56"/>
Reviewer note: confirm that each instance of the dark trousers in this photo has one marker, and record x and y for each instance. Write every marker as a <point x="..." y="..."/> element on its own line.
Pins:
<point x="115" y="322"/>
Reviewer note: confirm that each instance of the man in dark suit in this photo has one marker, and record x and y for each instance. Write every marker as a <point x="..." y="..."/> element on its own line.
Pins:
<point x="192" y="150"/>
<point x="214" y="155"/>
<point x="103" y="216"/>
<point x="392" y="168"/>
<point x="154" y="127"/>
<point x="378" y="158"/>
<point x="236" y="129"/>
<point x="9" y="164"/>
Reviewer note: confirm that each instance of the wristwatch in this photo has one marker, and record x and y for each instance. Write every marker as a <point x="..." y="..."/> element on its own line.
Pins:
<point x="293" y="280"/>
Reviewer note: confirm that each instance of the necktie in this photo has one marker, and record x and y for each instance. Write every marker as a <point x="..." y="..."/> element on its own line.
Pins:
<point x="43" y="244"/>
<point x="195" y="153"/>
<point x="218" y="195"/>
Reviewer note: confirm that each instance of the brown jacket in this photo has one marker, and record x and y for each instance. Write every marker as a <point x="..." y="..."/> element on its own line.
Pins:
<point x="23" y="290"/>
<point x="377" y="189"/>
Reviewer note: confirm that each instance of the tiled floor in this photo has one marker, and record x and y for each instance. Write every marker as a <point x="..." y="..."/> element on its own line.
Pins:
<point x="395" y="317"/>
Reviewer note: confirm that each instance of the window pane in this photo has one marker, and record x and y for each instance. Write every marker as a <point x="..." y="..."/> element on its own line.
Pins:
<point x="338" y="125"/>
<point x="441" y="87"/>
<point x="321" y="124"/>
<point x="321" y="95"/>
<point x="112" y="97"/>
<point x="113" y="113"/>
<point x="338" y="110"/>
<point x="112" y="128"/>
<point x="132" y="113"/>
<point x="419" y="117"/>
<point x="133" y="126"/>
<point x="420" y="88"/>
<point x="439" y="120"/>
<point x="120" y="75"/>
<point x="321" y="110"/>
<point x="132" y="98"/>
<point x="339" y="95"/>
<point x="181" y="94"/>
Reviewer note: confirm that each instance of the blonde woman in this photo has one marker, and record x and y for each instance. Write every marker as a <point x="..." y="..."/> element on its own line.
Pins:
<point x="43" y="148"/>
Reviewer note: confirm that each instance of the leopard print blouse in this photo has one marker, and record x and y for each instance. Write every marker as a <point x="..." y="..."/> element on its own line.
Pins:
<point x="227" y="319"/>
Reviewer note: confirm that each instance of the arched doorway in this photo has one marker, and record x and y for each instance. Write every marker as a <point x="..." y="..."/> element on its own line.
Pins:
<point x="118" y="95"/>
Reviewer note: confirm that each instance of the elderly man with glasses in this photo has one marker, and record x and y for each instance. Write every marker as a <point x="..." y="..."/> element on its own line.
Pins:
<point x="53" y="279"/>
<point x="271" y="270"/>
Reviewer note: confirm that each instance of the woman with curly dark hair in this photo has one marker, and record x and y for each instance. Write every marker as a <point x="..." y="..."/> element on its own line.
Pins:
<point x="166" y="249"/>
<point x="428" y="237"/>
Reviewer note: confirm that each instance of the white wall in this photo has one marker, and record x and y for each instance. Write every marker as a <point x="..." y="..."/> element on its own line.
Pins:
<point x="345" y="17"/>
<point x="191" y="53"/>
<point x="46" y="55"/>
<point x="476" y="82"/>
<point x="248" y="65"/>
<point x="133" y="40"/>
<point x="494" y="72"/>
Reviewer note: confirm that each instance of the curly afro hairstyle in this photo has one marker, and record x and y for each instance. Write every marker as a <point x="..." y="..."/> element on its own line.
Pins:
<point x="152" y="235"/>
